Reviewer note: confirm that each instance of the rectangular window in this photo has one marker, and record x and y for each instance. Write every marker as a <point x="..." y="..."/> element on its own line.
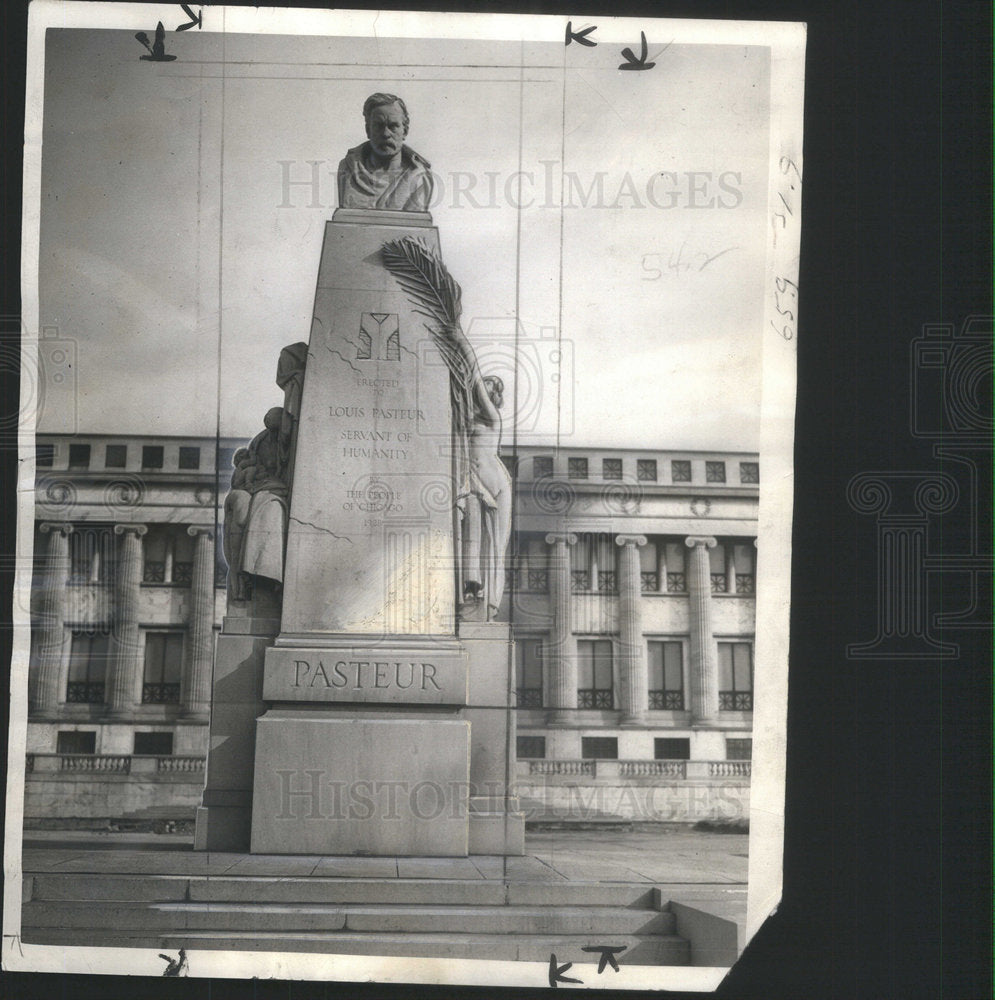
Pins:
<point x="182" y="568"/>
<point x="115" y="456"/>
<point x="680" y="470"/>
<point x="580" y="565"/>
<point x="156" y="552"/>
<point x="646" y="470"/>
<point x="542" y="466"/>
<point x="44" y="456"/>
<point x="649" y="563"/>
<point x="530" y="747"/>
<point x="594" y="673"/>
<point x="749" y="472"/>
<point x="72" y="741"/>
<point x="666" y="676"/>
<point x="528" y="673"/>
<point x="154" y="744"/>
<point x="717" y="568"/>
<point x="715" y="472"/>
<point x="152" y="456"/>
<point x="672" y="748"/>
<point x="536" y="561"/>
<point x="676" y="571"/>
<point x="163" y="664"/>
<point x="189" y="457"/>
<point x="88" y="657"/>
<point x="739" y="749"/>
<point x="91" y="554"/>
<point x="599" y="748"/>
<point x="79" y="456"/>
<point x="611" y="468"/>
<point x="736" y="676"/>
<point x="577" y="468"/>
<point x="745" y="569"/>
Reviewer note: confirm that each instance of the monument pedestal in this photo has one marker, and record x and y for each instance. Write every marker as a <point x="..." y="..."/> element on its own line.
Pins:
<point x="375" y="727"/>
<point x="348" y="784"/>
<point x="223" y="820"/>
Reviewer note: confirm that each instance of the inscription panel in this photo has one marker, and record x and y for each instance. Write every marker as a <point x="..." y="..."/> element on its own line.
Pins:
<point x="370" y="535"/>
<point x="390" y="675"/>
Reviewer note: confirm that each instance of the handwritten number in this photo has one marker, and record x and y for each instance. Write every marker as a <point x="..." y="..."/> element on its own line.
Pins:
<point x="786" y="165"/>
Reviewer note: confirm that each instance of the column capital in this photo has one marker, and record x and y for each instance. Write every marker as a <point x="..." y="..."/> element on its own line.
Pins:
<point x="138" y="529"/>
<point x="561" y="536"/>
<point x="62" y="526"/>
<point x="200" y="529"/>
<point x="623" y="540"/>
<point x="707" y="540"/>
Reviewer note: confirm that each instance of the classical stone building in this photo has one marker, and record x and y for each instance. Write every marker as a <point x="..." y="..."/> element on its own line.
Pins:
<point x="630" y="589"/>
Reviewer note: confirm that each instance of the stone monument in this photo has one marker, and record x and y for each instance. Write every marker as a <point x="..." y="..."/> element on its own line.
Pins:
<point x="363" y="686"/>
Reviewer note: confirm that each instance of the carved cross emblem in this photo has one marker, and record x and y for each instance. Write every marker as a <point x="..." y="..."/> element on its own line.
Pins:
<point x="379" y="337"/>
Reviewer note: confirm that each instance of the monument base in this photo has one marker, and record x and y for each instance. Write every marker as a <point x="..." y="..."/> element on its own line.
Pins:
<point x="223" y="820"/>
<point x="360" y="785"/>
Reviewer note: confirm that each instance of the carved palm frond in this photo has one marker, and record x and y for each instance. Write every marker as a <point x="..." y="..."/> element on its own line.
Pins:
<point x="435" y="295"/>
<point x="425" y="279"/>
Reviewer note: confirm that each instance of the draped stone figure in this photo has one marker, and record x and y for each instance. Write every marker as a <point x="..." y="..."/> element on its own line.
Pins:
<point x="256" y="511"/>
<point x="290" y="378"/>
<point x="484" y="501"/>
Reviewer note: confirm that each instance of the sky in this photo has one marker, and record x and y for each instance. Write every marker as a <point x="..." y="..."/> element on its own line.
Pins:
<point x="607" y="227"/>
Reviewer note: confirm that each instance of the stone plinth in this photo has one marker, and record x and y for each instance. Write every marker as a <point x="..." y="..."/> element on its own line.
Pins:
<point x="356" y="785"/>
<point x="370" y="542"/>
<point x="223" y="819"/>
<point x="496" y="824"/>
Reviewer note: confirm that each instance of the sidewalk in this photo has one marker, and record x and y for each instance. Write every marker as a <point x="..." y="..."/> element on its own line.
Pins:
<point x="658" y="855"/>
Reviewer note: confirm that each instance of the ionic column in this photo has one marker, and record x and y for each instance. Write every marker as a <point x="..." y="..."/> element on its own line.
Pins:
<point x="195" y="689"/>
<point x="125" y="665"/>
<point x="633" y="678"/>
<point x="730" y="567"/>
<point x="704" y="665"/>
<point x="563" y="645"/>
<point x="51" y="630"/>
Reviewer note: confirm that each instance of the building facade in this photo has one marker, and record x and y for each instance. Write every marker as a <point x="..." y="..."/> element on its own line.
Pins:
<point x="630" y="590"/>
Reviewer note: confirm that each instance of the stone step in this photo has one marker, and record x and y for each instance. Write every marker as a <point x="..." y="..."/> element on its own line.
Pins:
<point x="649" y="950"/>
<point x="113" y="916"/>
<point x="236" y="889"/>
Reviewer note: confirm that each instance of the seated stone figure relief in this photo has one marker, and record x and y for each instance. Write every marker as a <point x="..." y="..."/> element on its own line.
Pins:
<point x="382" y="172"/>
<point x="255" y="529"/>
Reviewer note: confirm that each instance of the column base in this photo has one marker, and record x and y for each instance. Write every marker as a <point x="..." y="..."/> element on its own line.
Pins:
<point x="119" y="715"/>
<point x="562" y="717"/>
